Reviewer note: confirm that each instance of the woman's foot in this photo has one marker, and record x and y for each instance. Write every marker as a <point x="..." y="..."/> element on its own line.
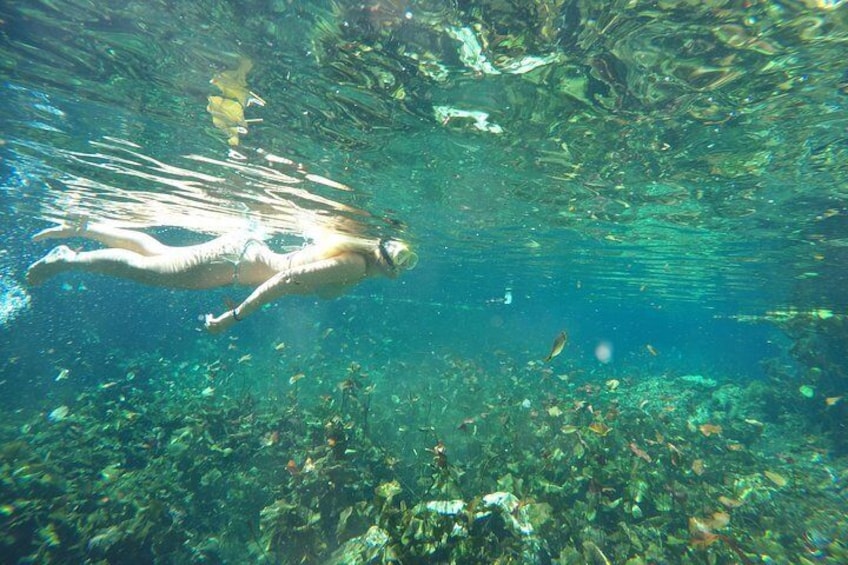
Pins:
<point x="70" y="228"/>
<point x="51" y="264"/>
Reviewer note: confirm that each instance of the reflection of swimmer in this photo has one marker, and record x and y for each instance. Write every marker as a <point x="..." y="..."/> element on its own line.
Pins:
<point x="321" y="269"/>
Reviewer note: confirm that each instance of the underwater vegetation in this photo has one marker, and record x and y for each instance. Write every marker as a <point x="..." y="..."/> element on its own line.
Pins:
<point x="442" y="462"/>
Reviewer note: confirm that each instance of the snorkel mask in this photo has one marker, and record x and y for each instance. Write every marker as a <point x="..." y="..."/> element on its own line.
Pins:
<point x="397" y="255"/>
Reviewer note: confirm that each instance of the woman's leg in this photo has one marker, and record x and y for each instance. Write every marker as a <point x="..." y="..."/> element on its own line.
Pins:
<point x="119" y="238"/>
<point x="192" y="268"/>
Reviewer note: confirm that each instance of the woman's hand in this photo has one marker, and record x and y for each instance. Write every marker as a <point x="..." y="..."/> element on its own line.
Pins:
<point x="216" y="325"/>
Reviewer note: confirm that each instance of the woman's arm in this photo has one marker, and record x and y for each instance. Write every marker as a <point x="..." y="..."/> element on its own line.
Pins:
<point x="342" y="270"/>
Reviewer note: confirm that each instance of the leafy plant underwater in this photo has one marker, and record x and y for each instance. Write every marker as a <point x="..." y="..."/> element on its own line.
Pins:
<point x="454" y="468"/>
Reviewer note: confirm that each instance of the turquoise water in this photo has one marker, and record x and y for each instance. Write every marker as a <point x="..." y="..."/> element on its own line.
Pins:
<point x="666" y="182"/>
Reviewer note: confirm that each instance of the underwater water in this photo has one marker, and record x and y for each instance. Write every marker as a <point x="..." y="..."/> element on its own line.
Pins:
<point x="624" y="340"/>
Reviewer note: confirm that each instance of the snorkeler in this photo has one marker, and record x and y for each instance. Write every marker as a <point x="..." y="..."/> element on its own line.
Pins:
<point x="321" y="269"/>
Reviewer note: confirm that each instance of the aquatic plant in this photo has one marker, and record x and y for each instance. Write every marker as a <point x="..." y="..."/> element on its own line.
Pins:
<point x="447" y="467"/>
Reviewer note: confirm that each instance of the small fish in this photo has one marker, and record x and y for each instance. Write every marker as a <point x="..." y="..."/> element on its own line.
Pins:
<point x="600" y="428"/>
<point x="63" y="374"/>
<point x="270" y="438"/>
<point x="58" y="414"/>
<point x="651" y="349"/>
<point x="730" y="502"/>
<point x="776" y="478"/>
<point x="280" y="346"/>
<point x="296" y="377"/>
<point x="245" y="358"/>
<point x="640" y="453"/>
<point x="557" y="346"/>
<point x="710" y="429"/>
